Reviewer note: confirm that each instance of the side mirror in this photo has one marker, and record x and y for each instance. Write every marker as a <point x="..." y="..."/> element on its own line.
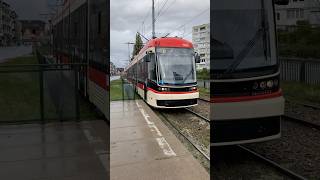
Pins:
<point x="281" y="2"/>
<point x="197" y="57"/>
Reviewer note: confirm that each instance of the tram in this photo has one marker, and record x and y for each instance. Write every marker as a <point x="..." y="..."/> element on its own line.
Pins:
<point x="164" y="73"/>
<point x="247" y="101"/>
<point x="81" y="35"/>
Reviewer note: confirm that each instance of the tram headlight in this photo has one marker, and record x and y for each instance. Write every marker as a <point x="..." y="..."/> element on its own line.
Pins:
<point x="266" y="84"/>
<point x="163" y="89"/>
<point x="263" y="84"/>
<point x="270" y="84"/>
<point x="193" y="88"/>
<point x="255" y="85"/>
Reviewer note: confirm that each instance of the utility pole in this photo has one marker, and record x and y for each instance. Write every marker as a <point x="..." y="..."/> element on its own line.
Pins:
<point x="128" y="43"/>
<point x="153" y="22"/>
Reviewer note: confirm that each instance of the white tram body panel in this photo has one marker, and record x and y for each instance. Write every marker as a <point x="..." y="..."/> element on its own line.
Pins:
<point x="249" y="109"/>
<point x="152" y="98"/>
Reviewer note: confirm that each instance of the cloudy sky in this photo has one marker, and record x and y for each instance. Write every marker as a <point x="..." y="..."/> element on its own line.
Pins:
<point x="177" y="18"/>
<point x="30" y="9"/>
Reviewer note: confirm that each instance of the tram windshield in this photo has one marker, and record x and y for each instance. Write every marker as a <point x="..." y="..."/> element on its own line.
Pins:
<point x="243" y="39"/>
<point x="176" y="65"/>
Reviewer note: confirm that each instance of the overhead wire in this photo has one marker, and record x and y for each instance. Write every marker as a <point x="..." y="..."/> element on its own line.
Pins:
<point x="190" y="20"/>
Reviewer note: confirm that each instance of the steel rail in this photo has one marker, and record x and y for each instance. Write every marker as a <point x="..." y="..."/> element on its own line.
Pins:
<point x="301" y="121"/>
<point x="277" y="166"/>
<point x="187" y="138"/>
<point x="198" y="115"/>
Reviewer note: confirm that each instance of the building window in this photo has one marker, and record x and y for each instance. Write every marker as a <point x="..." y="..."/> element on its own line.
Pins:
<point x="202" y="28"/>
<point x="295" y="13"/>
<point x="278" y="16"/>
<point x="301" y="13"/>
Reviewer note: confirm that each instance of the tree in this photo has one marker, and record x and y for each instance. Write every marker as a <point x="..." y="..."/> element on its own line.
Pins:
<point x="138" y="45"/>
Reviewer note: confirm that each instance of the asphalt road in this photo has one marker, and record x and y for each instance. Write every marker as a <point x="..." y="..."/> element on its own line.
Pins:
<point x="13" y="51"/>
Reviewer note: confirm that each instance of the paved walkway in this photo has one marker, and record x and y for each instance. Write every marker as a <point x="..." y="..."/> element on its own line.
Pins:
<point x="142" y="147"/>
<point x="68" y="151"/>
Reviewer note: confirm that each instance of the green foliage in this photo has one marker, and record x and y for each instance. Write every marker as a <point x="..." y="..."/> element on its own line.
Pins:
<point x="203" y="74"/>
<point x="138" y="45"/>
<point x="301" y="92"/>
<point x="303" y="41"/>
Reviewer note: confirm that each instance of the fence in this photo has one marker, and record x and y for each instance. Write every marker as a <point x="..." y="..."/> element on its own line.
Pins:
<point x="300" y="70"/>
<point x="204" y="84"/>
<point x="40" y="92"/>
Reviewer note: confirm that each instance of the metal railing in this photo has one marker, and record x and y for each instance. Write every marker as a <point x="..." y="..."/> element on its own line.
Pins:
<point x="204" y="84"/>
<point x="300" y="70"/>
<point x="42" y="92"/>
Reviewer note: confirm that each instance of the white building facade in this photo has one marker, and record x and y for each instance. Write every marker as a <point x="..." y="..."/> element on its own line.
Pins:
<point x="201" y="42"/>
<point x="8" y="19"/>
<point x="298" y="10"/>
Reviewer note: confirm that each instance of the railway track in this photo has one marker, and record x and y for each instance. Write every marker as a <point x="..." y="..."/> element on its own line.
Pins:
<point x="316" y="107"/>
<point x="205" y="100"/>
<point x="188" y="139"/>
<point x="198" y="115"/>
<point x="301" y="121"/>
<point x="272" y="163"/>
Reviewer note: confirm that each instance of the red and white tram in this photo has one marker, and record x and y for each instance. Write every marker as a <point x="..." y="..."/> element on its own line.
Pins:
<point x="164" y="73"/>
<point x="81" y="35"/>
<point x="247" y="101"/>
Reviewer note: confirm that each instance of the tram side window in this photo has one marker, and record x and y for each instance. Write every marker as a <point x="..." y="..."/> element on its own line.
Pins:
<point x="152" y="67"/>
<point x="139" y="71"/>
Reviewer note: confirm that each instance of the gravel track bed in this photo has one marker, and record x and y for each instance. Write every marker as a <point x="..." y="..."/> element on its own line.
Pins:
<point x="298" y="149"/>
<point x="306" y="113"/>
<point x="203" y="108"/>
<point x="232" y="163"/>
<point x="192" y="126"/>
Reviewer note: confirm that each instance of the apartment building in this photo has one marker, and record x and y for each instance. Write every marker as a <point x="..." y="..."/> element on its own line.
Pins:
<point x="8" y="19"/>
<point x="287" y="16"/>
<point x="201" y="42"/>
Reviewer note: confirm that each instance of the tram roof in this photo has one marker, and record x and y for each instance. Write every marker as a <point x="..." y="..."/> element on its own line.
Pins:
<point x="174" y="42"/>
<point x="169" y="42"/>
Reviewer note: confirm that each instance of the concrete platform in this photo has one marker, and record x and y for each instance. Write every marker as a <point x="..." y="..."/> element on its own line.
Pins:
<point x="142" y="147"/>
<point x="67" y="151"/>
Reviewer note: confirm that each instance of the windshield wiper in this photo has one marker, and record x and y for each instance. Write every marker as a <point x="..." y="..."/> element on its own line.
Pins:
<point x="265" y="27"/>
<point x="187" y="76"/>
<point x="244" y="52"/>
<point x="262" y="31"/>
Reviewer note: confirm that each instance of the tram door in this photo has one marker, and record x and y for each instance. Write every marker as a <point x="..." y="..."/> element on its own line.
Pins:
<point x="145" y="77"/>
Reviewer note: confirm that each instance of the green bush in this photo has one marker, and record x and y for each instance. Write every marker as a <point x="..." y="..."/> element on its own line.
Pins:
<point x="203" y="74"/>
<point x="303" y="42"/>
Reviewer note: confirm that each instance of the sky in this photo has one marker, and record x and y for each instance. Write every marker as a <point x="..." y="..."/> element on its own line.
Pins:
<point x="177" y="17"/>
<point x="30" y="9"/>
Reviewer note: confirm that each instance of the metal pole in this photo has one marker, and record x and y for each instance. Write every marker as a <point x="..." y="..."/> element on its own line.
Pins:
<point x="129" y="52"/>
<point x="122" y="84"/>
<point x="76" y="94"/>
<point x="153" y="21"/>
<point x="41" y="88"/>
